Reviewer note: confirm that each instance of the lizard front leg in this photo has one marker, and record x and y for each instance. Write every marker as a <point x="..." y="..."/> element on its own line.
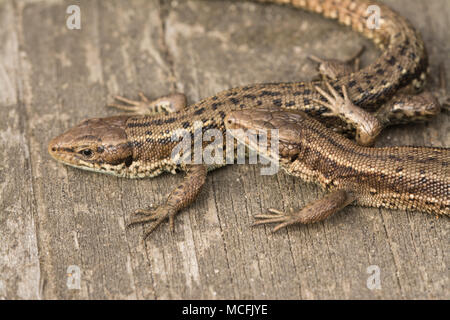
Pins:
<point x="182" y="196"/>
<point x="367" y="125"/>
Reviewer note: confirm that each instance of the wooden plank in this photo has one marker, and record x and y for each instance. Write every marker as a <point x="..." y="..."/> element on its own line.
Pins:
<point x="54" y="217"/>
<point x="19" y="259"/>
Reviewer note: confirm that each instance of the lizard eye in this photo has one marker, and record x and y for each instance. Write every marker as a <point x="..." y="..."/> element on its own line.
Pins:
<point x="87" y="153"/>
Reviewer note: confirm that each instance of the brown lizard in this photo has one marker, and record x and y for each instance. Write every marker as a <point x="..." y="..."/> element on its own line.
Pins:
<point x="404" y="177"/>
<point x="139" y="145"/>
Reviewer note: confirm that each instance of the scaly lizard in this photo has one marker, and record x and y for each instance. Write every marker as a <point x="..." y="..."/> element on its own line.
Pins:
<point x="413" y="178"/>
<point x="139" y="144"/>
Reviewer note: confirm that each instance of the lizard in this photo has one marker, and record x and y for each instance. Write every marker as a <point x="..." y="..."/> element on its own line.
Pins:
<point x="139" y="144"/>
<point x="400" y="177"/>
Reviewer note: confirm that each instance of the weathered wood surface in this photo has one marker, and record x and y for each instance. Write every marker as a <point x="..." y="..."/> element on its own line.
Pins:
<point x="52" y="216"/>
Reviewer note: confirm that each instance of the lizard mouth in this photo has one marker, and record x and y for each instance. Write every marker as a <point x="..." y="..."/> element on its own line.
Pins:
<point x="66" y="155"/>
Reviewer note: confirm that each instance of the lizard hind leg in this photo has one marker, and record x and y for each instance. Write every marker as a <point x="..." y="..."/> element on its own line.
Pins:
<point x="313" y="212"/>
<point x="166" y="104"/>
<point x="406" y="107"/>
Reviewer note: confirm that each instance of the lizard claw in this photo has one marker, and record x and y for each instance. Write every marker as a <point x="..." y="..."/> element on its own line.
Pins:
<point x="166" y="104"/>
<point x="131" y="105"/>
<point x="336" y="103"/>
<point x="143" y="97"/>
<point x="366" y="124"/>
<point x="275" y="216"/>
<point x="155" y="215"/>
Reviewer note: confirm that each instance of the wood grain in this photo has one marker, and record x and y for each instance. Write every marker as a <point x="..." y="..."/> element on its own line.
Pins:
<point x="53" y="217"/>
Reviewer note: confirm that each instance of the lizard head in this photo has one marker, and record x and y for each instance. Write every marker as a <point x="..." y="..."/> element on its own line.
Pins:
<point x="284" y="126"/>
<point x="96" y="144"/>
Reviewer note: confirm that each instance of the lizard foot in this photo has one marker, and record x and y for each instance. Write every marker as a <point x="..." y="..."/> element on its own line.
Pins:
<point x="180" y="197"/>
<point x="315" y="211"/>
<point x="156" y="215"/>
<point x="166" y="104"/>
<point x="336" y="103"/>
<point x="367" y="125"/>
<point x="275" y="216"/>
<point x="334" y="69"/>
<point x="130" y="105"/>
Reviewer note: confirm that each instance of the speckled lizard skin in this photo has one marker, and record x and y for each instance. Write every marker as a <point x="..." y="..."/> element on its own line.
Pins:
<point x="414" y="178"/>
<point x="139" y="144"/>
